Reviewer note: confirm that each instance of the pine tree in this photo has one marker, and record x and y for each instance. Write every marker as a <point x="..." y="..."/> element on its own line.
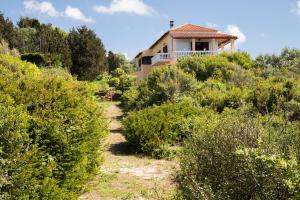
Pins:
<point x="88" y="53"/>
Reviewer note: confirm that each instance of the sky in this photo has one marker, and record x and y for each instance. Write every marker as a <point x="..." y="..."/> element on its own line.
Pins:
<point x="129" y="26"/>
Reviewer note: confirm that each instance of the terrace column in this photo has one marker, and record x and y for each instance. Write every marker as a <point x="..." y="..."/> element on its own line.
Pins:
<point x="193" y="44"/>
<point x="232" y="45"/>
<point x="213" y="45"/>
<point x="173" y="53"/>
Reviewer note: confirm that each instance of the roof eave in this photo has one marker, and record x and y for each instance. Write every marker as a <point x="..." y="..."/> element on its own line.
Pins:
<point x="159" y="39"/>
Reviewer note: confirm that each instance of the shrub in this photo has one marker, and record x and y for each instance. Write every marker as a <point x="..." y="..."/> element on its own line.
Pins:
<point x="51" y="129"/>
<point x="289" y="58"/>
<point x="237" y="156"/>
<point x="153" y="130"/>
<point x="243" y="59"/>
<point x="4" y="49"/>
<point x="42" y="60"/>
<point x="204" y="67"/>
<point x="271" y="94"/>
<point x="218" y="96"/>
<point x="163" y="84"/>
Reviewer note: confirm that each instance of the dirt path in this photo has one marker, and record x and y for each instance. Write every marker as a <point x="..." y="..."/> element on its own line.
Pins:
<point x="125" y="175"/>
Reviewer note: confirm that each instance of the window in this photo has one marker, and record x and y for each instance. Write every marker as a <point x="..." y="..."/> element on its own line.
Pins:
<point x="202" y="46"/>
<point x="146" y="60"/>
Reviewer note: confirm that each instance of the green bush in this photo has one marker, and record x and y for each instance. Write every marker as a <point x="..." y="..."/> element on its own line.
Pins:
<point x="204" y="67"/>
<point x="240" y="156"/>
<point x="4" y="49"/>
<point x="162" y="85"/>
<point x="52" y="131"/>
<point x="153" y="130"/>
<point x="218" y="96"/>
<point x="289" y="58"/>
<point x="241" y="58"/>
<point x="272" y="94"/>
<point x="42" y="60"/>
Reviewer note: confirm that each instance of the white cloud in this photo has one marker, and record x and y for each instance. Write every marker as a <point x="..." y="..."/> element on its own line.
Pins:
<point x="235" y="30"/>
<point x="76" y="14"/>
<point x="137" y="7"/>
<point x="296" y="9"/>
<point x="43" y="7"/>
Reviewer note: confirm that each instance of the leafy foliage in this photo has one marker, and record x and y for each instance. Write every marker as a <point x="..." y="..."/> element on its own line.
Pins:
<point x="154" y="129"/>
<point x="241" y="58"/>
<point x="88" y="53"/>
<point x="241" y="139"/>
<point x="119" y="79"/>
<point x="287" y="58"/>
<point x="240" y="156"/>
<point x="205" y="67"/>
<point x="4" y="49"/>
<point x="163" y="85"/>
<point x="52" y="131"/>
<point x="7" y="31"/>
<point x="42" y="60"/>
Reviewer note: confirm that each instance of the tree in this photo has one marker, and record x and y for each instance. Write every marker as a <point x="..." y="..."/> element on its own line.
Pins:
<point x="114" y="61"/>
<point x="35" y="37"/>
<point x="27" y="22"/>
<point x="118" y="60"/>
<point x="88" y="53"/>
<point x="7" y="31"/>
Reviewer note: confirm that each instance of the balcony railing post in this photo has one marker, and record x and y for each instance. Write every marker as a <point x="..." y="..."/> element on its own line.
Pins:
<point x="172" y="57"/>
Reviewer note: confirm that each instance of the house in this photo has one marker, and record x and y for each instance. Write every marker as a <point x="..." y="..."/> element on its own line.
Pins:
<point x="184" y="40"/>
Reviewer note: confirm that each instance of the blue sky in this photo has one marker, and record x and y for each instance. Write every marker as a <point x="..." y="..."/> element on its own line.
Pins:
<point x="129" y="26"/>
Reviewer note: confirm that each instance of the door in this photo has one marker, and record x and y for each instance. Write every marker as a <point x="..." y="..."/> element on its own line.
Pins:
<point x="202" y="46"/>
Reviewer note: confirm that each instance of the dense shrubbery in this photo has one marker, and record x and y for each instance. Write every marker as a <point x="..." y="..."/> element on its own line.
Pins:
<point x="223" y="67"/>
<point x="51" y="132"/>
<point x="153" y="130"/>
<point x="5" y="49"/>
<point x="163" y="85"/>
<point x="42" y="60"/>
<point x="119" y="79"/>
<point x="241" y="156"/>
<point x="242" y="134"/>
<point x="288" y="58"/>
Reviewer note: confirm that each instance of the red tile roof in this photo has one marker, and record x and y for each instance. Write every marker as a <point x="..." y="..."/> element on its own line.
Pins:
<point x="203" y="35"/>
<point x="192" y="28"/>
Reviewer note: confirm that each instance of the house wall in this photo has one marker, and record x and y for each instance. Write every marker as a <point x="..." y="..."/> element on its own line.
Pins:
<point x="183" y="44"/>
<point x="167" y="40"/>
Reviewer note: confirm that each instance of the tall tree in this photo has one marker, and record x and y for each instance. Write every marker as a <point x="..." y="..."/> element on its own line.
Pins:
<point x="27" y="22"/>
<point x="114" y="61"/>
<point x="36" y="37"/>
<point x="88" y="53"/>
<point x="7" y="31"/>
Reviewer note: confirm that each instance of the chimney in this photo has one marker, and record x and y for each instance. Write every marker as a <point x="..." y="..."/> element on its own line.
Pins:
<point x="171" y="24"/>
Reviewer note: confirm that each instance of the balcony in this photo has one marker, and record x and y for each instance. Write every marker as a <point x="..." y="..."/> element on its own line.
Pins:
<point x="163" y="58"/>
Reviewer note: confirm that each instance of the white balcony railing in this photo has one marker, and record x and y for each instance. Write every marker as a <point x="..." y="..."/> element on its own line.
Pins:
<point x="165" y="57"/>
<point x="160" y="57"/>
<point x="190" y="53"/>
